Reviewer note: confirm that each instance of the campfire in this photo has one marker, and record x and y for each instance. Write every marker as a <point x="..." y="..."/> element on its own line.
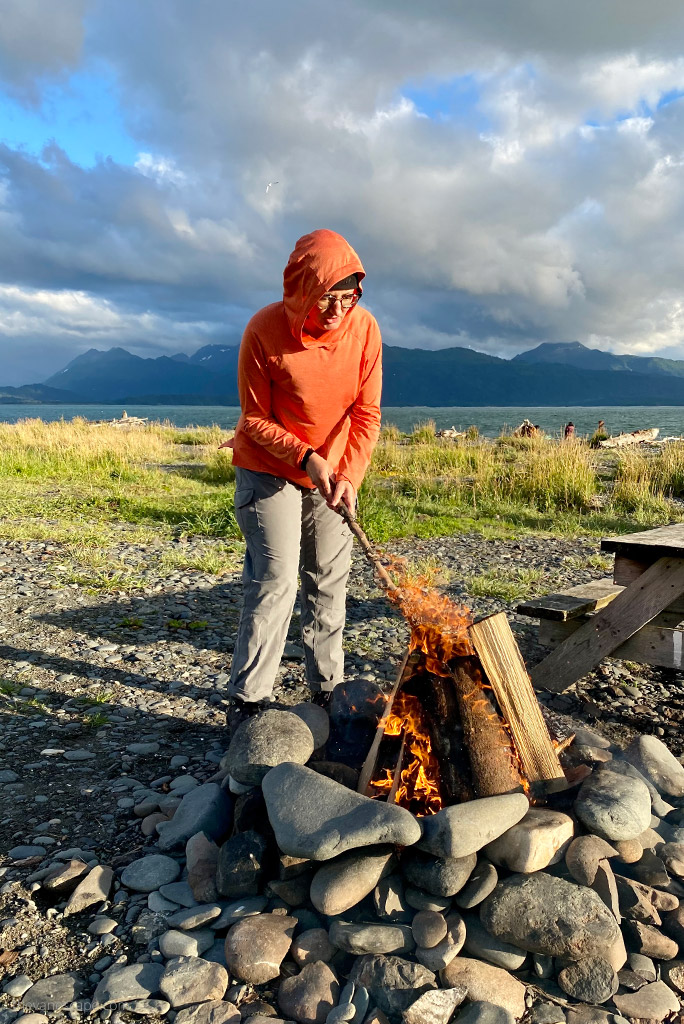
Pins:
<point x="462" y="720"/>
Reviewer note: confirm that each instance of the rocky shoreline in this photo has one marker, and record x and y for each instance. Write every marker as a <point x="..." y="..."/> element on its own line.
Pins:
<point x="103" y="696"/>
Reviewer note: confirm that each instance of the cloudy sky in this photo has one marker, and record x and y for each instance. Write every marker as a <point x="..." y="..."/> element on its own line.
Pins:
<point x="509" y="173"/>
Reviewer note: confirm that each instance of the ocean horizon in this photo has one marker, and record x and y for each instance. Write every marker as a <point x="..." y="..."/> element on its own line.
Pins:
<point x="489" y="420"/>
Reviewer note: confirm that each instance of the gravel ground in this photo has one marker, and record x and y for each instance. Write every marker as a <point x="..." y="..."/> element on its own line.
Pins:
<point x="102" y="692"/>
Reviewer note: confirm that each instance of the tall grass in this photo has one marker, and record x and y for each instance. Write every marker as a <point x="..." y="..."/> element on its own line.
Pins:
<point x="77" y="473"/>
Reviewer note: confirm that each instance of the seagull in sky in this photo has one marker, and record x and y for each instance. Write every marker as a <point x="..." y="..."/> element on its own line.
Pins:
<point x="271" y="184"/>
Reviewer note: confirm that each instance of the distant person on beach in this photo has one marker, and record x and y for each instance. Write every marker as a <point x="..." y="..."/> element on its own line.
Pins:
<point x="601" y="429"/>
<point x="569" y="432"/>
<point x="309" y="379"/>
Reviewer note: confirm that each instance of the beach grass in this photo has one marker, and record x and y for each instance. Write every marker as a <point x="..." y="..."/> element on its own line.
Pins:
<point x="72" y="483"/>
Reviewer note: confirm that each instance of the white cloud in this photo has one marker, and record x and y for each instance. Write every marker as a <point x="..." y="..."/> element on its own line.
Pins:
<point x="547" y="205"/>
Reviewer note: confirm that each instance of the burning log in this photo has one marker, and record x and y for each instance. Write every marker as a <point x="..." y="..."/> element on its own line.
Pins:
<point x="486" y="740"/>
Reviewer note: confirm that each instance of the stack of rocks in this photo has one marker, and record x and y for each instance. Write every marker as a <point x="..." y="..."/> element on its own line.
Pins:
<point x="277" y="891"/>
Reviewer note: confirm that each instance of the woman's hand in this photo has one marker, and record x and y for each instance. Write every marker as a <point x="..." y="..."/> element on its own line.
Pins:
<point x="344" y="492"/>
<point x="321" y="475"/>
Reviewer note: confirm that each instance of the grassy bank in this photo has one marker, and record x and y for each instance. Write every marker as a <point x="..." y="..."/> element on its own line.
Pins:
<point x="70" y="481"/>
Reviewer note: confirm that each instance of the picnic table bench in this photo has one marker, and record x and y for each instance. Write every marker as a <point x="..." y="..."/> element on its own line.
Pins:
<point x="638" y="614"/>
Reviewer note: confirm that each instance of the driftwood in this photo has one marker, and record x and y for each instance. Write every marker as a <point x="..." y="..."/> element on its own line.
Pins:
<point x="451" y="432"/>
<point x="635" y="437"/>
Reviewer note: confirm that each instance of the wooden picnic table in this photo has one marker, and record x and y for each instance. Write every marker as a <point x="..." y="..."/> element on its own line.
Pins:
<point x="642" y="619"/>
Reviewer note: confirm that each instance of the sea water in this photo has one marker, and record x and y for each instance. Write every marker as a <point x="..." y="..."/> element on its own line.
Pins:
<point x="489" y="420"/>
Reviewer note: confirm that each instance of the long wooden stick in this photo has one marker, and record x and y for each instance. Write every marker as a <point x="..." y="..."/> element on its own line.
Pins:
<point x="366" y="546"/>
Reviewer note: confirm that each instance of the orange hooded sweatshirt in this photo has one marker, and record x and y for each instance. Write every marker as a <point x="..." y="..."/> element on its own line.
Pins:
<point x="299" y="392"/>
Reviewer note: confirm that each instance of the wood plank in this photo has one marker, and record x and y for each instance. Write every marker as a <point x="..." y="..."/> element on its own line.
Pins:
<point x="652" y="645"/>
<point x="651" y="593"/>
<point x="506" y="673"/>
<point x="665" y="541"/>
<point x="627" y="570"/>
<point x="588" y="597"/>
<point x="406" y="670"/>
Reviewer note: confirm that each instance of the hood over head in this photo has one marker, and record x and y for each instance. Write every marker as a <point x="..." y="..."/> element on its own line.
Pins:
<point x="318" y="261"/>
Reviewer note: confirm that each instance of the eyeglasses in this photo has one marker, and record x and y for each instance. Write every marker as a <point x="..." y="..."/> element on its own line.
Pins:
<point x="345" y="301"/>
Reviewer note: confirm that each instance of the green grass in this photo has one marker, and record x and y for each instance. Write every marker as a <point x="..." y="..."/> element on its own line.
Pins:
<point x="508" y="584"/>
<point x="84" y="487"/>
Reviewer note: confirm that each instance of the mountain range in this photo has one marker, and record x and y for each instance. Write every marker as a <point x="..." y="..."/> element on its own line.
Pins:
<point x="550" y="374"/>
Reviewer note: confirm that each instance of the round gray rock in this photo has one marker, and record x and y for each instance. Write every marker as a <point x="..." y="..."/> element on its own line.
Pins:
<point x="121" y="984"/>
<point x="429" y="927"/>
<point x="545" y="914"/>
<point x="149" y="873"/>
<point x="481" y="882"/>
<point x="371" y="938"/>
<point x="342" y="883"/>
<point x="309" y="996"/>
<point x="591" y="980"/>
<point x="614" y="806"/>
<point x="392" y="982"/>
<point x="256" y="947"/>
<point x="264" y="741"/>
<point x="190" y="979"/>
<point x="317" y="818"/>
<point x="317" y="720"/>
<point x="463" y="829"/>
<point x="51" y="994"/>
<point x="439" y="876"/>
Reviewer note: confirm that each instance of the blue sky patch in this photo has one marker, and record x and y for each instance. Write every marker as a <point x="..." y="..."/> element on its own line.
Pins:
<point x="454" y="99"/>
<point x="82" y="116"/>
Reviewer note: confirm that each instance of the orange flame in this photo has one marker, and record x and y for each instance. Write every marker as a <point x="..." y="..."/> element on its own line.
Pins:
<point x="439" y="627"/>
<point x="419" y="786"/>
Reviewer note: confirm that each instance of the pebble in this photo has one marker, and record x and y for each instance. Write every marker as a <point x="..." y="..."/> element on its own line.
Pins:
<point x="463" y="829"/>
<point x="256" y="947"/>
<point x="545" y="914"/>
<point x="94" y="888"/>
<point x="429" y="928"/>
<point x="437" y="875"/>
<point x="371" y="938"/>
<point x="189" y="979"/>
<point x="311" y="945"/>
<point x="479" y="943"/>
<point x="486" y="983"/>
<point x="309" y="996"/>
<point x="265" y="740"/>
<point x="392" y="982"/>
<point x="652" y="1002"/>
<point x="343" y="882"/>
<point x="51" y="994"/>
<point x="535" y="843"/>
<point x="149" y="873"/>
<point x="482" y="881"/>
<point x="17" y="986"/>
<point x="241" y="865"/>
<point x="591" y="980"/>
<point x="146" y="1007"/>
<point x="435" y="1007"/>
<point x="175" y="943"/>
<point x="652" y="757"/>
<point x="206" y="808"/>
<point x="214" y="1011"/>
<point x="613" y="806"/>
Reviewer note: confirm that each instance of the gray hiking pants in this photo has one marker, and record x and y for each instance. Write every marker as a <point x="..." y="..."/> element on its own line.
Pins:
<point x="288" y="530"/>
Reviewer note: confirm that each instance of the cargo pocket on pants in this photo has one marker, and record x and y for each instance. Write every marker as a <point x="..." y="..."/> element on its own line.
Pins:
<point x="245" y="512"/>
